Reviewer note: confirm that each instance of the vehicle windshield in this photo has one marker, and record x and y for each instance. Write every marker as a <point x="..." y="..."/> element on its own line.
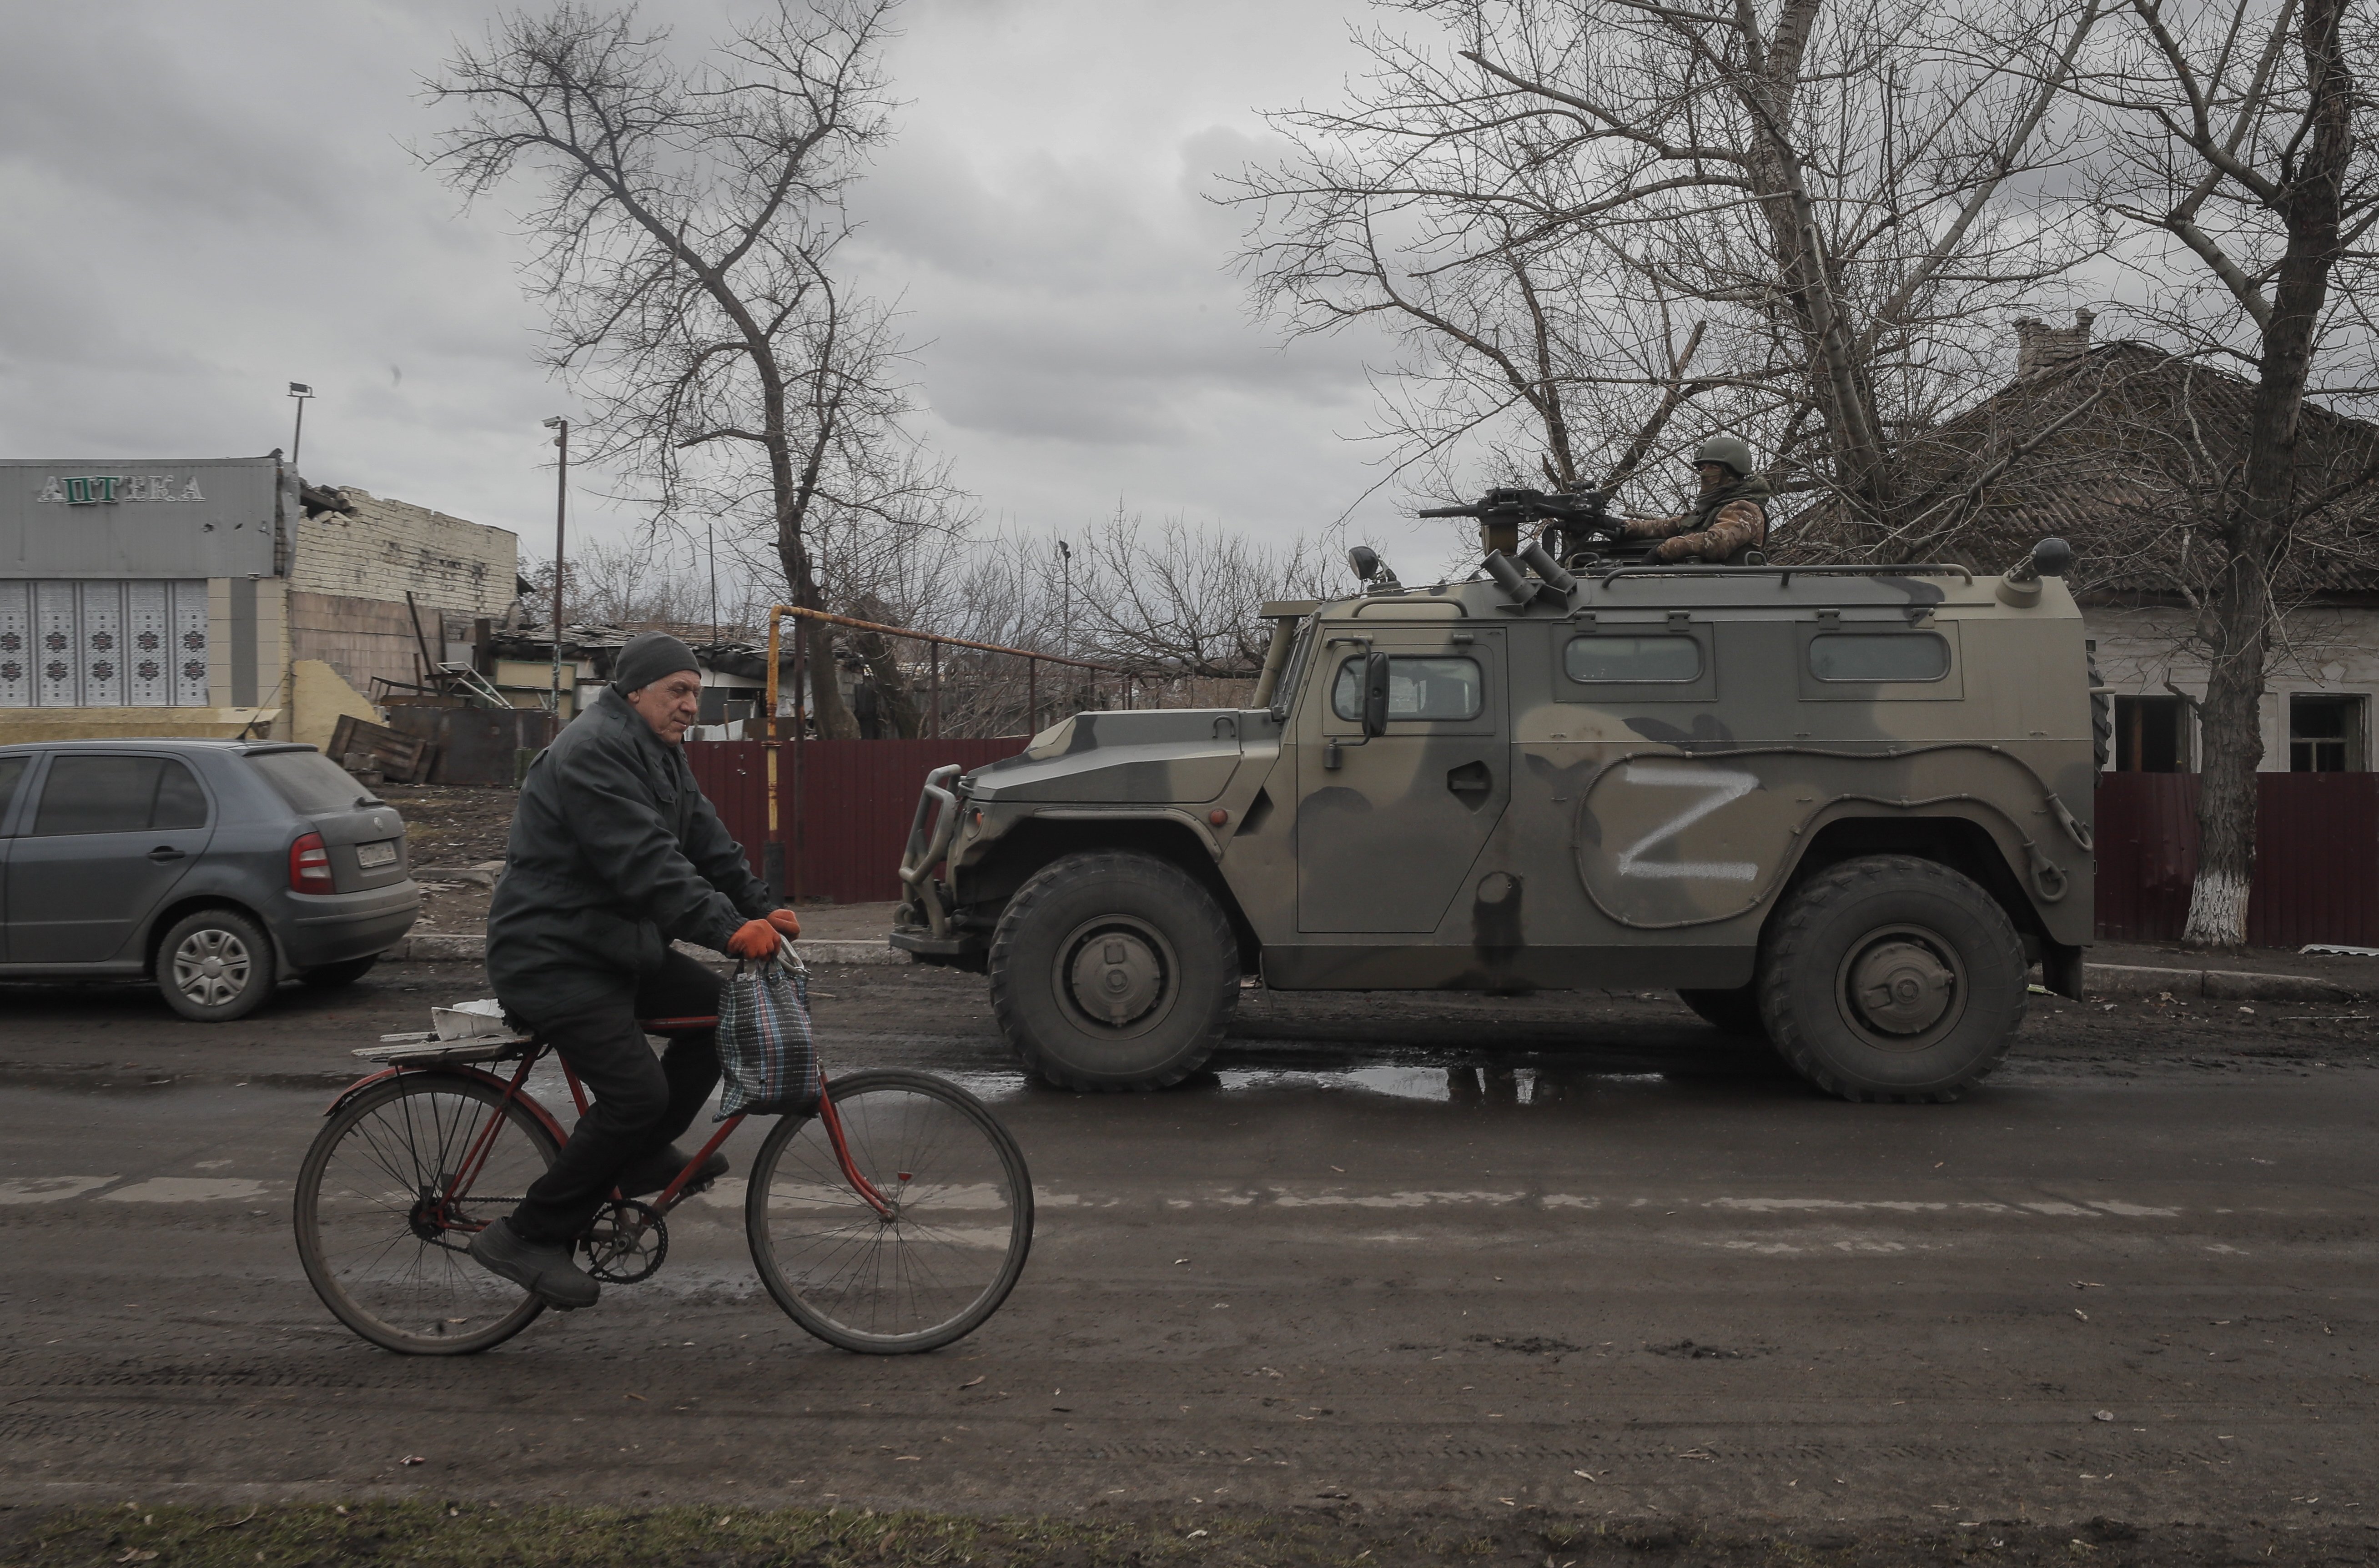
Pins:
<point x="1299" y="653"/>
<point x="309" y="781"/>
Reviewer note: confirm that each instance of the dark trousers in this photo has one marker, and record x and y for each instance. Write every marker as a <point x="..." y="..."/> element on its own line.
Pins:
<point x="641" y="1102"/>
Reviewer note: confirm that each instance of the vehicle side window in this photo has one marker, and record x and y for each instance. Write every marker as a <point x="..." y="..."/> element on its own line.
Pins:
<point x="1417" y="688"/>
<point x="12" y="773"/>
<point x="116" y="795"/>
<point x="180" y="801"/>
<point x="1633" y="659"/>
<point x="1905" y="656"/>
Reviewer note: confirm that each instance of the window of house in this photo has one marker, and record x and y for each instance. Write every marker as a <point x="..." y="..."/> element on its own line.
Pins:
<point x="2326" y="733"/>
<point x="2151" y="735"/>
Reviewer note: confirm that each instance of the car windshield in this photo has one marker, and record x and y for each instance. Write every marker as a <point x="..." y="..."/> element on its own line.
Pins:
<point x="309" y="781"/>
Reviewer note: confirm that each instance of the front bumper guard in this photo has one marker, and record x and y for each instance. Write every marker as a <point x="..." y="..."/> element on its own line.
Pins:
<point x="930" y="832"/>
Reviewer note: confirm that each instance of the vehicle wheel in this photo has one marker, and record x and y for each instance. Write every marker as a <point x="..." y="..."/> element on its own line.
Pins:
<point x="2102" y="717"/>
<point x="1735" y="1011"/>
<point x="330" y="977"/>
<point x="933" y="1269"/>
<point x="1893" y="978"/>
<point x="1113" y="970"/>
<point x="383" y="1238"/>
<point x="216" y="965"/>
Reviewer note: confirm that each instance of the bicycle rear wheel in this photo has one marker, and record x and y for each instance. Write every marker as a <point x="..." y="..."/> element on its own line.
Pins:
<point x="384" y="1246"/>
<point x="947" y="1255"/>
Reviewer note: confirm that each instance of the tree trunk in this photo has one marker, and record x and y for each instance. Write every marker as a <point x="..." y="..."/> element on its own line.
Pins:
<point x="897" y="701"/>
<point x="2257" y="522"/>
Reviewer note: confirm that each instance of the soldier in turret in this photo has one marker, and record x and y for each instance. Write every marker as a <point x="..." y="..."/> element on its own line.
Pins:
<point x="1728" y="517"/>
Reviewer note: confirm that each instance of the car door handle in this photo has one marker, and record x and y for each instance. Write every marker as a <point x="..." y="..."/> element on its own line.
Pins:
<point x="164" y="853"/>
<point x="1471" y="783"/>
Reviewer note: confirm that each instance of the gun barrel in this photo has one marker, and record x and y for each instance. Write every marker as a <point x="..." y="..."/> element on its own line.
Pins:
<point x="1448" y="512"/>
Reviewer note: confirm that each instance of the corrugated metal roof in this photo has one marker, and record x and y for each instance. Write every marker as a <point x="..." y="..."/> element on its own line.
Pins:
<point x="2126" y="451"/>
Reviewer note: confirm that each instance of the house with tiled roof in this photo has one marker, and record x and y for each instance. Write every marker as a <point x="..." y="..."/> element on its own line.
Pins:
<point x="2127" y="452"/>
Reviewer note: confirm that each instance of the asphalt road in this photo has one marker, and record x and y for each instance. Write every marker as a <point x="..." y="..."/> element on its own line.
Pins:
<point x="1564" y="1253"/>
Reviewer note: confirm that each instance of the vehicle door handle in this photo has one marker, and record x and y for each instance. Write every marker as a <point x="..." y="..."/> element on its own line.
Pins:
<point x="1470" y="783"/>
<point x="164" y="853"/>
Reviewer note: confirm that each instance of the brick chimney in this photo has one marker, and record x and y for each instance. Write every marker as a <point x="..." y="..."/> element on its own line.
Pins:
<point x="2039" y="346"/>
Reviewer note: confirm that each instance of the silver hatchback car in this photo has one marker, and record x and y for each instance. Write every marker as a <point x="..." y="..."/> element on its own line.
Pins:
<point x="217" y="868"/>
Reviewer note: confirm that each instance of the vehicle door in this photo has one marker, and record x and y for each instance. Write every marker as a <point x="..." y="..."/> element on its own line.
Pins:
<point x="1389" y="825"/>
<point x="103" y="845"/>
<point x="14" y="771"/>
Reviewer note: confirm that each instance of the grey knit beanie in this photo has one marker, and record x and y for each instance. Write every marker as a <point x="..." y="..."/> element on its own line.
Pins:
<point x="648" y="657"/>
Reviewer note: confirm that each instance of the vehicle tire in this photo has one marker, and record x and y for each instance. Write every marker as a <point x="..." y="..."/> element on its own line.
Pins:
<point x="330" y="977"/>
<point x="946" y="1257"/>
<point x="390" y="1261"/>
<point x="1891" y="978"/>
<point x="1733" y="1012"/>
<point x="216" y="965"/>
<point x="1111" y="970"/>
<point x="2102" y="717"/>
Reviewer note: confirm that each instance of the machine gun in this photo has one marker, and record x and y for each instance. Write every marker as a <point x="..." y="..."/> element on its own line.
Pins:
<point x="1572" y="523"/>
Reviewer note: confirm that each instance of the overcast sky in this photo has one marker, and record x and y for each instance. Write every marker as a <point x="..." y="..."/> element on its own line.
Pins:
<point x="207" y="202"/>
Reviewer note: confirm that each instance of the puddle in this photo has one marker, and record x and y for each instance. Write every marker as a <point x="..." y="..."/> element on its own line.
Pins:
<point x="1435" y="1085"/>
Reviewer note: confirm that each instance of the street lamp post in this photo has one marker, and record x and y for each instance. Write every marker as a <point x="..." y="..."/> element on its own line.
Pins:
<point x="560" y="505"/>
<point x="1066" y="562"/>
<point x="300" y="392"/>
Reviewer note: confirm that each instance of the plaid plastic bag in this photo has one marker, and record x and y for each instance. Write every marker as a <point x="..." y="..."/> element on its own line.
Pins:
<point x="766" y="1054"/>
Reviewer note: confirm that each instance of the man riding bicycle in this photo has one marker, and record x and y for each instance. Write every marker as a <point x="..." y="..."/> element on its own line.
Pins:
<point x="614" y="854"/>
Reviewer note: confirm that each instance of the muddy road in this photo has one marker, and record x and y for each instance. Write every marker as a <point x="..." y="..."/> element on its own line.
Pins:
<point x="1568" y="1255"/>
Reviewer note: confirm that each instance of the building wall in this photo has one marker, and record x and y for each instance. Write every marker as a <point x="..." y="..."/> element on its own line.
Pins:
<point x="388" y="547"/>
<point x="2329" y="649"/>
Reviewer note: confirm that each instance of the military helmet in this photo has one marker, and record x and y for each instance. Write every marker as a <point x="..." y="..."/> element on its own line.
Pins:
<point x="1731" y="450"/>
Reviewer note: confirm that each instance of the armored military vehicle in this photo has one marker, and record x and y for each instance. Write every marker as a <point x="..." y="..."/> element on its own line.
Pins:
<point x="1843" y="807"/>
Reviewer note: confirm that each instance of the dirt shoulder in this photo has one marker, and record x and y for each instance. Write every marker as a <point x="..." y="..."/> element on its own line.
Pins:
<point x="1326" y="1532"/>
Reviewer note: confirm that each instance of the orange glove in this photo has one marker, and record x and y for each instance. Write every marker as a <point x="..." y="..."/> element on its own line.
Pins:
<point x="754" y="939"/>
<point x="785" y="921"/>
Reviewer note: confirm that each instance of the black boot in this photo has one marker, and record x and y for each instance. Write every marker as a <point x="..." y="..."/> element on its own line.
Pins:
<point x="543" y="1269"/>
<point x="657" y="1170"/>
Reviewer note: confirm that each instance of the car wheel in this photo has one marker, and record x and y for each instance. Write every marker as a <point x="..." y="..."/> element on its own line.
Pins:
<point x="1734" y="1012"/>
<point x="330" y="977"/>
<point x="1893" y="978"/>
<point x="215" y="965"/>
<point x="1113" y="970"/>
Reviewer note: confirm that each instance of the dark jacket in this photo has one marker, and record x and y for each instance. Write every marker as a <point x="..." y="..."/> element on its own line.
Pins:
<point x="614" y="854"/>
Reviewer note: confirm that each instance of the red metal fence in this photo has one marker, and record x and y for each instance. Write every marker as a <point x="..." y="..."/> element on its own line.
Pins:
<point x="857" y="800"/>
<point x="2316" y="863"/>
<point x="2316" y="858"/>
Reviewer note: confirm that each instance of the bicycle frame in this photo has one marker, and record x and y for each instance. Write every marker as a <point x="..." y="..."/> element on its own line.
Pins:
<point x="476" y="1160"/>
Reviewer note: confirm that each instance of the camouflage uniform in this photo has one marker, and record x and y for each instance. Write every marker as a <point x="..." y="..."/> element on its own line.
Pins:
<point x="1722" y="525"/>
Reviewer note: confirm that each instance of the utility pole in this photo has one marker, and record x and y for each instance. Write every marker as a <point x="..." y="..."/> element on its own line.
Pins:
<point x="561" y="509"/>
<point x="1066" y="556"/>
<point x="300" y="392"/>
<point x="710" y="538"/>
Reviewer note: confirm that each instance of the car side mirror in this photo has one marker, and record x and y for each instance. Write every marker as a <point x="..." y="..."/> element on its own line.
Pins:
<point x="1375" y="694"/>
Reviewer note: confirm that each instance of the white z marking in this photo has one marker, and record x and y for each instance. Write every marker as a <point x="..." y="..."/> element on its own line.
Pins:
<point x="1720" y="789"/>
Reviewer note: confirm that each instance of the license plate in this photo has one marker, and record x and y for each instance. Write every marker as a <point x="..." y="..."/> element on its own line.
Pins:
<point x="371" y="855"/>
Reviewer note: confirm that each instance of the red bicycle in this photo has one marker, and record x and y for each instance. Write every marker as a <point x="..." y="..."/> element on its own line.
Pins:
<point x="893" y="1219"/>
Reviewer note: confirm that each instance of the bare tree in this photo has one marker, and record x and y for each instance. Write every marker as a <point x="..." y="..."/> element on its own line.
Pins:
<point x="2239" y="147"/>
<point x="1603" y="227"/>
<point x="688" y="220"/>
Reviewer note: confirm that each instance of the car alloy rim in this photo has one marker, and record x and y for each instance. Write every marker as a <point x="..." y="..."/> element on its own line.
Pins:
<point x="211" y="967"/>
<point x="1116" y="972"/>
<point x="1901" y="988"/>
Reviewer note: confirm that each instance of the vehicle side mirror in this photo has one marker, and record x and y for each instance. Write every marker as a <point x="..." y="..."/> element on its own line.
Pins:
<point x="1375" y="694"/>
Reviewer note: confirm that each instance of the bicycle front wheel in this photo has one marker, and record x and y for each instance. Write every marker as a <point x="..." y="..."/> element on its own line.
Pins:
<point x="935" y="1268"/>
<point x="382" y="1233"/>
